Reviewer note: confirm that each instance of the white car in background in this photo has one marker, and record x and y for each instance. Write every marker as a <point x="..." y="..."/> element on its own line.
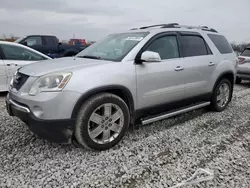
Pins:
<point x="243" y="70"/>
<point x="13" y="56"/>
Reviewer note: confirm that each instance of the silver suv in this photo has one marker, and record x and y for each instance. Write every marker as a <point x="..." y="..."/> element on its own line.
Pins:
<point x="140" y="76"/>
<point x="243" y="69"/>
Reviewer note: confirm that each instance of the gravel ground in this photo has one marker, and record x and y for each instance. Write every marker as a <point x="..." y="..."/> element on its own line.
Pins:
<point x="158" y="155"/>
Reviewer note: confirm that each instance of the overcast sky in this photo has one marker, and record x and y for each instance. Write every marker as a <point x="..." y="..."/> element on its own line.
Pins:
<point x="94" y="19"/>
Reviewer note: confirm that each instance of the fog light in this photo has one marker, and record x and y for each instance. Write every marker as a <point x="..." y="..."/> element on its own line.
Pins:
<point x="37" y="111"/>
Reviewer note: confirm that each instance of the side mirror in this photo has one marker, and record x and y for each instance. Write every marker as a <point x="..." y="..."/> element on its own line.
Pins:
<point x="25" y="43"/>
<point x="59" y="43"/>
<point x="149" y="56"/>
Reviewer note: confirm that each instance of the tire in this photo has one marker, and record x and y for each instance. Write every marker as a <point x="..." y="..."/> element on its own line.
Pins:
<point x="95" y="107"/>
<point x="215" y="103"/>
<point x="238" y="80"/>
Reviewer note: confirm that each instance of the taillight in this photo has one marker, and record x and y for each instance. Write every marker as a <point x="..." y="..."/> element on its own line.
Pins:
<point x="241" y="60"/>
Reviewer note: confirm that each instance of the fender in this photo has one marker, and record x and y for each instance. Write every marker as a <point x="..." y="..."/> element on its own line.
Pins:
<point x="111" y="89"/>
<point x="230" y="76"/>
<point x="225" y="75"/>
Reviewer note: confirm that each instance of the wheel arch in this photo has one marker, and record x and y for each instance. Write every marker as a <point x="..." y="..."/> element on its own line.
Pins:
<point x="119" y="90"/>
<point x="228" y="75"/>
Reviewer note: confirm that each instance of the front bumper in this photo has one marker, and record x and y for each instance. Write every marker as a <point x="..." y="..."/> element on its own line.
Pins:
<point x="59" y="131"/>
<point x="243" y="76"/>
<point x="243" y="71"/>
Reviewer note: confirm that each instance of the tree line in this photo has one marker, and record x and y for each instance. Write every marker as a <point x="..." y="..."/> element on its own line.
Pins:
<point x="239" y="47"/>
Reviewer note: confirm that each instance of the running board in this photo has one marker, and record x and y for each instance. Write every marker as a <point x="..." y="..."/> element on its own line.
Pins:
<point x="174" y="113"/>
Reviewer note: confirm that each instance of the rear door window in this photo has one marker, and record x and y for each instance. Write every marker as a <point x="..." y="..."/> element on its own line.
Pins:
<point x="246" y="52"/>
<point x="49" y="41"/>
<point x="221" y="43"/>
<point x="12" y="52"/>
<point x="193" y="45"/>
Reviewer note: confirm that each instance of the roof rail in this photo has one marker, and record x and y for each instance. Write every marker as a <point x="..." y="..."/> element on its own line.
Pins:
<point x="160" y="25"/>
<point x="196" y="27"/>
<point x="176" y="25"/>
<point x="149" y="26"/>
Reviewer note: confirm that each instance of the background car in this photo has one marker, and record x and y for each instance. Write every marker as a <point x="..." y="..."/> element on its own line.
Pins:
<point x="243" y="70"/>
<point x="13" y="56"/>
<point x="50" y="45"/>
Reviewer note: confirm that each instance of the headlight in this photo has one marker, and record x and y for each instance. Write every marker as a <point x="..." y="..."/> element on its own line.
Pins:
<point x="50" y="82"/>
<point x="12" y="78"/>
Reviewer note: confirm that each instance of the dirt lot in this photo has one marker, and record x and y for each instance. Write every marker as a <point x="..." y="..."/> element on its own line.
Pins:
<point x="161" y="154"/>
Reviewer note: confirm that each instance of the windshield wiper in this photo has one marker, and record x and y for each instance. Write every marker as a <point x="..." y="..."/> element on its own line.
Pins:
<point x="90" y="57"/>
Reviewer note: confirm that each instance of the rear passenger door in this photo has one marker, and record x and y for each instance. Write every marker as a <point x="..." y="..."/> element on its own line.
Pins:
<point x="50" y="44"/>
<point x="199" y="63"/>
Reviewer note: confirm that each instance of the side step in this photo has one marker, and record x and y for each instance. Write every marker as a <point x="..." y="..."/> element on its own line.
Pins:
<point x="174" y="113"/>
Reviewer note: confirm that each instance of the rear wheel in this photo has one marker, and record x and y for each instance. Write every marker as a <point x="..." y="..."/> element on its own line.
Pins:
<point x="102" y="121"/>
<point x="222" y="95"/>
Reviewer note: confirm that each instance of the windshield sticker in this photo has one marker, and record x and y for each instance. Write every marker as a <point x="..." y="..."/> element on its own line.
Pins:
<point x="135" y="38"/>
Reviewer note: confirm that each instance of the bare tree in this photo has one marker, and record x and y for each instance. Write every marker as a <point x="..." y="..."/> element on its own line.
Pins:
<point x="239" y="47"/>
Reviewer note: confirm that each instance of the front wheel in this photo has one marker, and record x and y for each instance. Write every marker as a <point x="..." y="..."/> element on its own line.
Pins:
<point x="102" y="121"/>
<point x="221" y="95"/>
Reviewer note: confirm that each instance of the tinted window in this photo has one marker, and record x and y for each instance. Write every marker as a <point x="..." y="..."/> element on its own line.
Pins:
<point x="1" y="53"/>
<point x="193" y="46"/>
<point x="19" y="53"/>
<point x="246" y="52"/>
<point x="50" y="41"/>
<point x="167" y="47"/>
<point x="221" y="43"/>
<point x="32" y="41"/>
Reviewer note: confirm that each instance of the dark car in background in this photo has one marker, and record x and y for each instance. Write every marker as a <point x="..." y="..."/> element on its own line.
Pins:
<point x="50" y="45"/>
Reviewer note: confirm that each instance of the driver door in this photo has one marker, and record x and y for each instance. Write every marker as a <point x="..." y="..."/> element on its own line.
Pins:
<point x="161" y="82"/>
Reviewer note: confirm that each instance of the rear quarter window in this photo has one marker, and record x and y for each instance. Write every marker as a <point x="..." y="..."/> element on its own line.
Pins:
<point x="221" y="43"/>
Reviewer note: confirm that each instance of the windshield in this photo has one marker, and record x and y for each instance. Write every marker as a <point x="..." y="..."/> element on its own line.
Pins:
<point x="114" y="47"/>
<point x="20" y="39"/>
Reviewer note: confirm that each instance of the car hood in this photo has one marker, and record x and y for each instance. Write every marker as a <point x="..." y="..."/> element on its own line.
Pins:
<point x="61" y="64"/>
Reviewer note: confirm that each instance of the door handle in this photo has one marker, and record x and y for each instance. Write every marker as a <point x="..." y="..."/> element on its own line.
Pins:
<point x="179" y="68"/>
<point x="211" y="64"/>
<point x="12" y="64"/>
